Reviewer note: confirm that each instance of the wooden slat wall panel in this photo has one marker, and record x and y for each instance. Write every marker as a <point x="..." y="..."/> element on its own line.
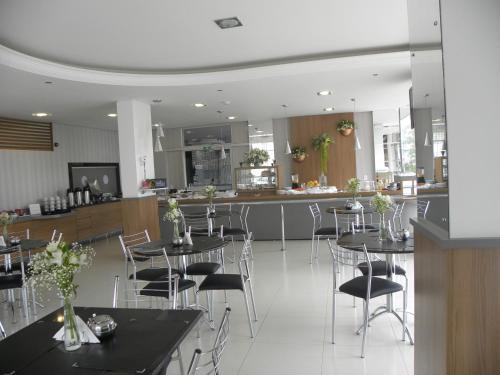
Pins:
<point x="25" y="135"/>
<point x="342" y="156"/>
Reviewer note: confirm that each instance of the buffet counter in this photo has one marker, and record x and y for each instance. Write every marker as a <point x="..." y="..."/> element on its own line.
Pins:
<point x="282" y="216"/>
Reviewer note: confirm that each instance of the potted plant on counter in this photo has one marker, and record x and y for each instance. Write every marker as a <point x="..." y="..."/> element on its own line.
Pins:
<point x="345" y="127"/>
<point x="322" y="144"/>
<point x="299" y="154"/>
<point x="257" y="157"/>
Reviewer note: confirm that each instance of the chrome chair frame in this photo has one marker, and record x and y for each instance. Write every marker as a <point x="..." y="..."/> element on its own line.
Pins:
<point x="366" y="306"/>
<point x="2" y="330"/>
<point x="126" y="241"/>
<point x="246" y="277"/>
<point x="317" y="219"/>
<point x="56" y="236"/>
<point x="422" y="207"/>
<point x="215" y="353"/>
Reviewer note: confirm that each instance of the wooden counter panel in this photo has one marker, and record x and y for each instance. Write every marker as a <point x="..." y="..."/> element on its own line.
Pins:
<point x="139" y="214"/>
<point x="457" y="331"/>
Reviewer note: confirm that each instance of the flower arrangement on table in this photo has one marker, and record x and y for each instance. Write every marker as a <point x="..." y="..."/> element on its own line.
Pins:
<point x="322" y="143"/>
<point x="174" y="215"/>
<point x="353" y="185"/>
<point x="257" y="157"/>
<point x="209" y="191"/>
<point x="381" y="204"/>
<point x="5" y="220"/>
<point x="56" y="266"/>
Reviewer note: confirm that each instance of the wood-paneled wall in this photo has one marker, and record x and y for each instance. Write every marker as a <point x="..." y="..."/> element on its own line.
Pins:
<point x="342" y="155"/>
<point x="457" y="307"/>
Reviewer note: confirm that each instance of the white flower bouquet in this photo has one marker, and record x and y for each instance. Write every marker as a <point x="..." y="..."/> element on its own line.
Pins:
<point x="209" y="191"/>
<point x="173" y="213"/>
<point x="381" y="203"/>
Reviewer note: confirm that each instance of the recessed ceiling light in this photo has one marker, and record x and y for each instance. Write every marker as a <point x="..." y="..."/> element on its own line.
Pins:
<point x="220" y="90"/>
<point x="112" y="115"/>
<point x="329" y="109"/>
<point x="156" y="125"/>
<point x="231" y="117"/>
<point x="250" y="125"/>
<point x="199" y="105"/>
<point x="375" y="74"/>
<point x="228" y="23"/>
<point x="41" y="114"/>
<point x="284" y="105"/>
<point x="48" y="82"/>
<point x="157" y="101"/>
<point x="226" y="102"/>
<point x="259" y="131"/>
<point x="324" y="93"/>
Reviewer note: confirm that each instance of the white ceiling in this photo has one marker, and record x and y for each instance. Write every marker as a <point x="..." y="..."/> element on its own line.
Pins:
<point x="159" y="35"/>
<point x="174" y="36"/>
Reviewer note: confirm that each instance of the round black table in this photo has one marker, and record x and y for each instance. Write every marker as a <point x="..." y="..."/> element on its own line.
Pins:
<point x="341" y="210"/>
<point x="389" y="248"/>
<point x="200" y="245"/>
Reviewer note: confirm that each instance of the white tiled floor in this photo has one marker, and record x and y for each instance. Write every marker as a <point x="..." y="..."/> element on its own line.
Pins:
<point x="293" y="333"/>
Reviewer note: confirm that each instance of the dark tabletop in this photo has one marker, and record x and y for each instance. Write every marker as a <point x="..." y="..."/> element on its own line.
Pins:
<point x="217" y="214"/>
<point x="341" y="210"/>
<point x="200" y="245"/>
<point x="373" y="245"/>
<point x="144" y="340"/>
<point x="26" y="245"/>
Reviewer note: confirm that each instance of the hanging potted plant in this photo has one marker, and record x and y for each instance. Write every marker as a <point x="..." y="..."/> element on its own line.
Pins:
<point x="299" y="154"/>
<point x="345" y="127"/>
<point x="322" y="143"/>
<point x="257" y="157"/>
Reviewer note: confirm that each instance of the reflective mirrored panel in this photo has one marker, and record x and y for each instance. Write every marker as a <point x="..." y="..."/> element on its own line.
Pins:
<point x="427" y="99"/>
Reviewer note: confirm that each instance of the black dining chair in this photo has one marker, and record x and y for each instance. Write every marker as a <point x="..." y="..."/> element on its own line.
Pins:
<point x="241" y="232"/>
<point x="319" y="231"/>
<point x="365" y="287"/>
<point x="238" y="281"/>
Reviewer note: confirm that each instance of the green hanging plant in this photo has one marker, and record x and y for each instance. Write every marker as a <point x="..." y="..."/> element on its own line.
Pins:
<point x="321" y="143"/>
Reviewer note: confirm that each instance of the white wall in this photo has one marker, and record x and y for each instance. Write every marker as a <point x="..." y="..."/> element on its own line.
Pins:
<point x="365" y="158"/>
<point x="27" y="176"/>
<point x="471" y="54"/>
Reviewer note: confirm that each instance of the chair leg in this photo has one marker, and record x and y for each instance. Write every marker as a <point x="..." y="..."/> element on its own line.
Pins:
<point x="365" y="327"/>
<point x="179" y="358"/>
<point x="25" y="302"/>
<point x="248" y="311"/>
<point x="33" y="295"/>
<point x="312" y="248"/>
<point x="317" y="246"/>
<point x="405" y="307"/>
<point x="333" y="315"/>
<point x="2" y="331"/>
<point x="250" y="289"/>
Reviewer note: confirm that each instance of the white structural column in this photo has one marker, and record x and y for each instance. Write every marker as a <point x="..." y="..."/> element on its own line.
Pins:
<point x="422" y="119"/>
<point x="135" y="140"/>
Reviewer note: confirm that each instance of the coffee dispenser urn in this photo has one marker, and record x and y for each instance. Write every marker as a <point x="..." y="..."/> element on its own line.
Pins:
<point x="86" y="195"/>
<point x="71" y="198"/>
<point x="78" y="197"/>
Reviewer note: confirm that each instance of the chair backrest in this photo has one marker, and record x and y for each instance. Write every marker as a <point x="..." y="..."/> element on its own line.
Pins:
<point x="212" y="364"/>
<point x="15" y="257"/>
<point x="22" y="234"/>
<point x="131" y="240"/>
<point x="398" y="214"/>
<point x="243" y="218"/>
<point x="56" y="236"/>
<point x="245" y="258"/>
<point x="200" y="224"/>
<point x="422" y="208"/>
<point x="316" y="215"/>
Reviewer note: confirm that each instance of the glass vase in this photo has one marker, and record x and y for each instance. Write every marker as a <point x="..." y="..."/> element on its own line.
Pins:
<point x="323" y="182"/>
<point x="71" y="333"/>
<point x="382" y="228"/>
<point x="176" y="238"/>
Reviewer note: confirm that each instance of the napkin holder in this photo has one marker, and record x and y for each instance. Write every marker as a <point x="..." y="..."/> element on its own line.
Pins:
<point x="86" y="334"/>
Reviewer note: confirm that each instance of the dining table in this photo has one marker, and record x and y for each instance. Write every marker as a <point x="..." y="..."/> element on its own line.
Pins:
<point x="388" y="248"/>
<point x="142" y="343"/>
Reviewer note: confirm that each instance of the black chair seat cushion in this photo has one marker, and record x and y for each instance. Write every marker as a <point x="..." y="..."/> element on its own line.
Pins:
<point x="152" y="274"/>
<point x="359" y="285"/>
<point x="16" y="266"/>
<point x="379" y="268"/>
<point x="326" y="231"/>
<point x="11" y="281"/>
<point x="197" y="233"/>
<point x="160" y="289"/>
<point x="222" y="281"/>
<point x="202" y="268"/>
<point x="139" y="258"/>
<point x="231" y="231"/>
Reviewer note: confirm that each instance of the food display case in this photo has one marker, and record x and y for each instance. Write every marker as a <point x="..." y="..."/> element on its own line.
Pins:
<point x="257" y="179"/>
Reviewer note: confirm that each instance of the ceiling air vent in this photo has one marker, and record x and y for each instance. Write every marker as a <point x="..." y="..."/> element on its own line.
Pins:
<point x="25" y="135"/>
<point x="228" y="23"/>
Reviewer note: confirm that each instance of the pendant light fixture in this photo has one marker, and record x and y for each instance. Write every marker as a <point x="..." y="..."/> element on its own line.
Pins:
<point x="288" y="150"/>
<point x="159" y="133"/>
<point x="357" y="144"/>
<point x="158" y="147"/>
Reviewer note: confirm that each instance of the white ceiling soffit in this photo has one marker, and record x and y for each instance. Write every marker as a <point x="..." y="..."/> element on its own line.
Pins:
<point x="20" y="61"/>
<point x="161" y="36"/>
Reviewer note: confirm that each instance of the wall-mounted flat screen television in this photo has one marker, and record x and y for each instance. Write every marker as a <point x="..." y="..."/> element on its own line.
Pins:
<point x="104" y="177"/>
